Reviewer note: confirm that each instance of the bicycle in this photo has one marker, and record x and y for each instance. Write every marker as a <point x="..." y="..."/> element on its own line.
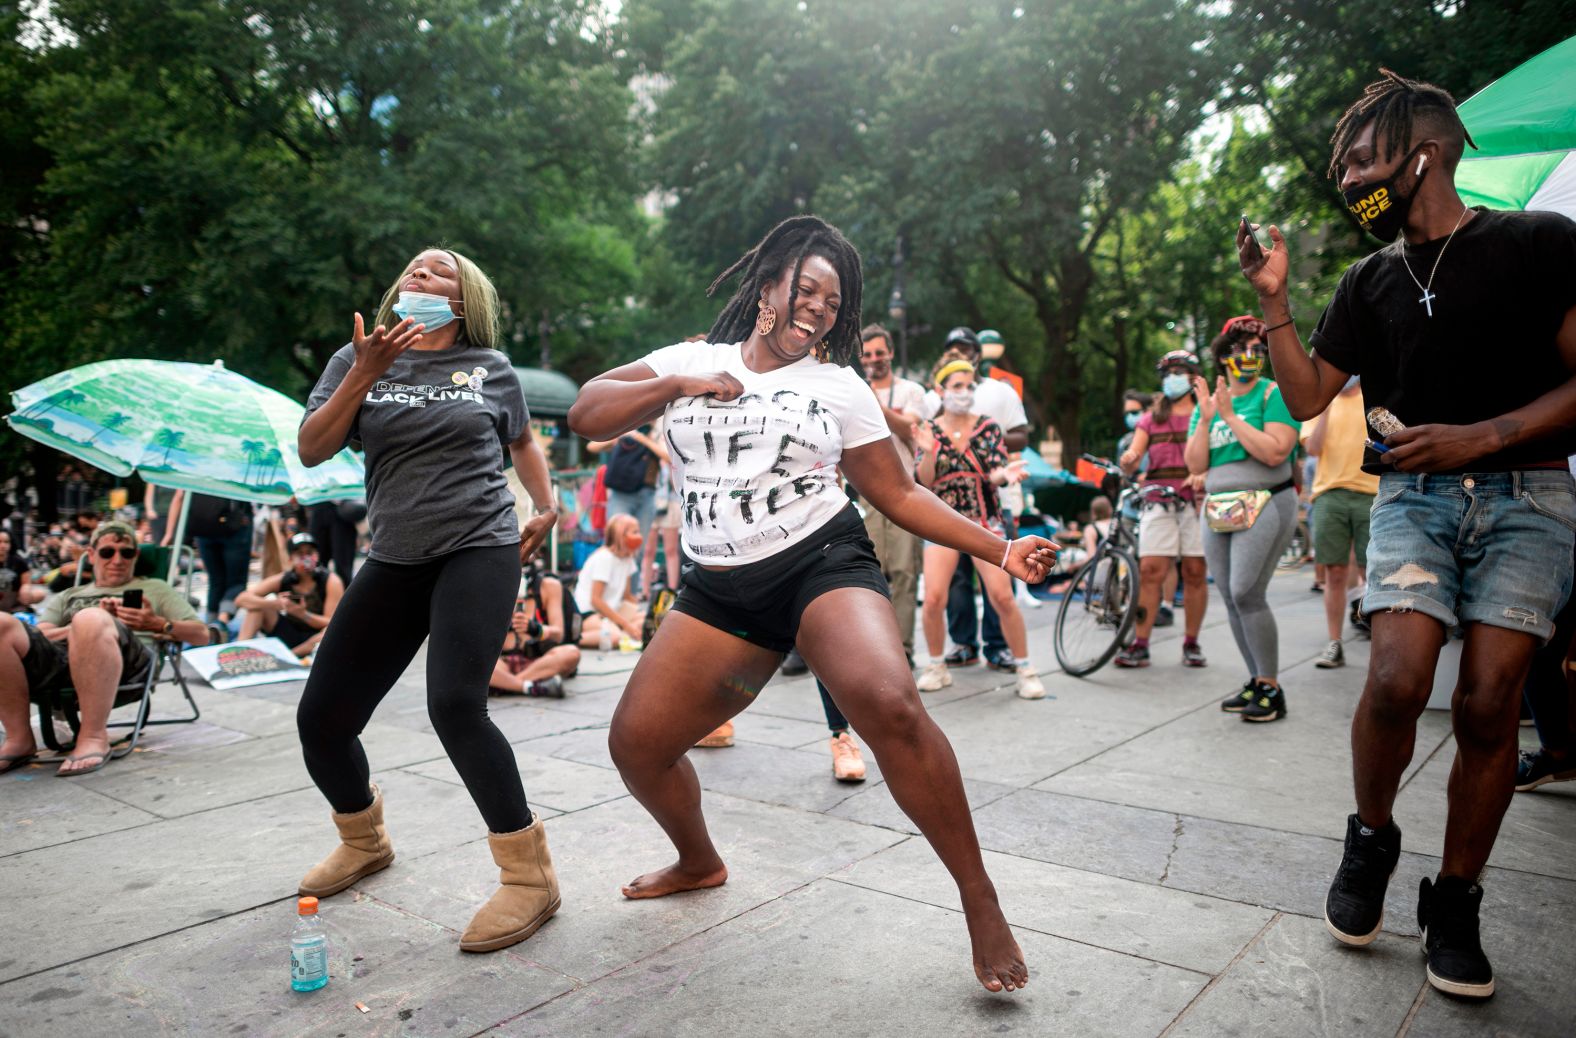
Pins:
<point x="1100" y="606"/>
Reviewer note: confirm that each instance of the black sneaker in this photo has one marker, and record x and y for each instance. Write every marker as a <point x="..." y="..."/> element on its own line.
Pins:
<point x="1447" y="913"/>
<point x="794" y="664"/>
<point x="1354" y="907"/>
<point x="1193" y="656"/>
<point x="1238" y="701"/>
<point x="1003" y="662"/>
<point x="1538" y="768"/>
<point x="1133" y="656"/>
<point x="1164" y="617"/>
<point x="548" y="688"/>
<point x="962" y="656"/>
<point x="1268" y="703"/>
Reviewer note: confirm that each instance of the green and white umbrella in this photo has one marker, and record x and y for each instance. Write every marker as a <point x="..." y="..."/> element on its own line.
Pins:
<point x="192" y="427"/>
<point x="1524" y="124"/>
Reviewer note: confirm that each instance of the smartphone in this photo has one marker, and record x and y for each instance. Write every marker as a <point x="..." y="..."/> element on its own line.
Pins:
<point x="132" y="599"/>
<point x="1255" y="251"/>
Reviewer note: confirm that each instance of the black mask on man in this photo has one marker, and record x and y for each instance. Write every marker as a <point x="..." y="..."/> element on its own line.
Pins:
<point x="1380" y="206"/>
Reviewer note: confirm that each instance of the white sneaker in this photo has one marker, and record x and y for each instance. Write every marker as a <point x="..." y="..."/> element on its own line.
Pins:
<point x="934" y="678"/>
<point x="1029" y="686"/>
<point x="1026" y="600"/>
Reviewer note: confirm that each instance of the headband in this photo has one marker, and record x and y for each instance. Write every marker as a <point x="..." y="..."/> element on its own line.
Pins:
<point x="951" y="368"/>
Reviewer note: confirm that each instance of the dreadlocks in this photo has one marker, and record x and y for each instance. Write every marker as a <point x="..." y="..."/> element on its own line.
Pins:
<point x="1396" y="105"/>
<point x="785" y="247"/>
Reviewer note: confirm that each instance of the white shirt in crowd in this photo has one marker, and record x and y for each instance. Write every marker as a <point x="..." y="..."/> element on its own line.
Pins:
<point x="993" y="399"/>
<point x="759" y="473"/>
<point x="904" y="397"/>
<point x="605" y="566"/>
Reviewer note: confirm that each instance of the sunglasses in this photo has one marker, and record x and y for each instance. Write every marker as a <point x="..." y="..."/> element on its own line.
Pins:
<point x="107" y="552"/>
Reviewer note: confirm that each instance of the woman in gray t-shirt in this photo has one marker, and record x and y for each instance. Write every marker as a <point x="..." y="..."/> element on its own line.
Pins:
<point x="434" y="404"/>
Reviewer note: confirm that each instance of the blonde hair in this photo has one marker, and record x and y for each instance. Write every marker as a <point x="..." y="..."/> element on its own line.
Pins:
<point x="1100" y="508"/>
<point x="951" y="356"/>
<point x="480" y="299"/>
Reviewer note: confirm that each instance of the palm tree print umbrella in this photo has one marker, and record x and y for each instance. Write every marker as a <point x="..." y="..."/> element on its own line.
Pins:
<point x="190" y="426"/>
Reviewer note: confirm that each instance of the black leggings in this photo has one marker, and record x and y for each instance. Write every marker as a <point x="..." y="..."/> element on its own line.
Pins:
<point x="462" y="600"/>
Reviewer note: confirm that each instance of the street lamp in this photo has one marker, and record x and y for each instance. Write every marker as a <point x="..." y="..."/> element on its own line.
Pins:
<point x="897" y="307"/>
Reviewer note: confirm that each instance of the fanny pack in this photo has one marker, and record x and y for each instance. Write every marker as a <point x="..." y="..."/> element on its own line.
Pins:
<point x="1236" y="510"/>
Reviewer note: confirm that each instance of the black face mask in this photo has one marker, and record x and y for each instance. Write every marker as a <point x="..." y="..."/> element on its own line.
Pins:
<point x="1380" y="207"/>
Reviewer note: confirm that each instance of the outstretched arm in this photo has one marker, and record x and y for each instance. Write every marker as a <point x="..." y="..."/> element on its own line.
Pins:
<point x="1308" y="382"/>
<point x="878" y="474"/>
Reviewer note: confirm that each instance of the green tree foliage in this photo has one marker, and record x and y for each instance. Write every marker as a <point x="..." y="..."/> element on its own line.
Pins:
<point x="233" y="180"/>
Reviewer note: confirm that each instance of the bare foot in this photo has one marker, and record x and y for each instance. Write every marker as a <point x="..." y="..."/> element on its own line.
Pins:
<point x="998" y="961"/>
<point x="676" y="878"/>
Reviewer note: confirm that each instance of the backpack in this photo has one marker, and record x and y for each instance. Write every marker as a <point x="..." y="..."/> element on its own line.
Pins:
<point x="626" y="466"/>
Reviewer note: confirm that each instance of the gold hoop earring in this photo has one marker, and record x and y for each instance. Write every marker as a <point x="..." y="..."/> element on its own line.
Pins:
<point x="767" y="319"/>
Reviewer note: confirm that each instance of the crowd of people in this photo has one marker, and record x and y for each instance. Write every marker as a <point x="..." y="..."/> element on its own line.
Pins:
<point x="804" y="495"/>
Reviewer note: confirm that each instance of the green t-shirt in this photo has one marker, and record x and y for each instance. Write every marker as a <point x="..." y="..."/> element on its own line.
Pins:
<point x="157" y="595"/>
<point x="1258" y="407"/>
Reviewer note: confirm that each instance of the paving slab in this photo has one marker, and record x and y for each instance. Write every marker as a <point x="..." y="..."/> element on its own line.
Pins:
<point x="1181" y="929"/>
<point x="169" y="781"/>
<point x="41" y="811"/>
<point x="873" y="804"/>
<point x="897" y="966"/>
<point x="549" y="782"/>
<point x="240" y="713"/>
<point x="154" y="879"/>
<point x="1130" y="842"/>
<point x="769" y="850"/>
<point x="231" y="977"/>
<point x="1295" y="981"/>
<point x="1044" y="740"/>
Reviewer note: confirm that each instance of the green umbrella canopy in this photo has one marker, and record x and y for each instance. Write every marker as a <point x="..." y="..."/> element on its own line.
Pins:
<point x="548" y="394"/>
<point x="194" y="427"/>
<point x="1524" y="124"/>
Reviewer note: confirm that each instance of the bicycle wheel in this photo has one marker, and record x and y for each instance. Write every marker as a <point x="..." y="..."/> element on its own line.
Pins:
<point x="1097" y="612"/>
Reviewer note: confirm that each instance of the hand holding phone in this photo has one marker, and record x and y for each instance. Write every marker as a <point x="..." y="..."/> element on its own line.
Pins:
<point x="1251" y="250"/>
<point x="132" y="599"/>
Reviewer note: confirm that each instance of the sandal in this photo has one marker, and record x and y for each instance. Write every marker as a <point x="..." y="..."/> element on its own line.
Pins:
<point x="12" y="761"/>
<point x="104" y="759"/>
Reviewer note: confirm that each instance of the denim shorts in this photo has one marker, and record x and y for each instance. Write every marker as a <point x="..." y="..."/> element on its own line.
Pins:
<point x="1491" y="548"/>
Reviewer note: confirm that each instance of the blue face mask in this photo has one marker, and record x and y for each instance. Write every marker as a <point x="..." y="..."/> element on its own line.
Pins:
<point x="1176" y="386"/>
<point x="1132" y="419"/>
<point x="430" y="310"/>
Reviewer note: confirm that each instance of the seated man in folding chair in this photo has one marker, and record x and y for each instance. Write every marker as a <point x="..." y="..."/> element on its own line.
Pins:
<point x="92" y="640"/>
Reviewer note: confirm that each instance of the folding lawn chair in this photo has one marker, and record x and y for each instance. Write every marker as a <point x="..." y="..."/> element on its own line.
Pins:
<point x="62" y="702"/>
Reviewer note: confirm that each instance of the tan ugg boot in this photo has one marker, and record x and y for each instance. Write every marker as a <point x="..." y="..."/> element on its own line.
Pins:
<point x="527" y="898"/>
<point x="363" y="849"/>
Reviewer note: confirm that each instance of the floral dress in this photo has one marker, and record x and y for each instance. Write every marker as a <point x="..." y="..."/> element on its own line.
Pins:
<point x="963" y="469"/>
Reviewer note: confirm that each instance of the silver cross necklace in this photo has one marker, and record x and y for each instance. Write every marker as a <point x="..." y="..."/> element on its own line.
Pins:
<point x="1428" y="296"/>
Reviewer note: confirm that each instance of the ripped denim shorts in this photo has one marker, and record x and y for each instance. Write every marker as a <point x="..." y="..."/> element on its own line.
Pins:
<point x="1492" y="548"/>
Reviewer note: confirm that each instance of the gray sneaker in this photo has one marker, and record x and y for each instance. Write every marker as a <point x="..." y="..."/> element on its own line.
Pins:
<point x="1332" y="656"/>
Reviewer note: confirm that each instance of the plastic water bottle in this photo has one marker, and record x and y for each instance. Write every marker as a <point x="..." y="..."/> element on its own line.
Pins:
<point x="308" y="948"/>
<point x="605" y="639"/>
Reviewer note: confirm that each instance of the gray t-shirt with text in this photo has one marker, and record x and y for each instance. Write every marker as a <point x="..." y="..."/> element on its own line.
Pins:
<point x="434" y="428"/>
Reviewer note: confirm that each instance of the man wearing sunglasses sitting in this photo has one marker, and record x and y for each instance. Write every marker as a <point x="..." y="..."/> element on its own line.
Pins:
<point x="93" y="640"/>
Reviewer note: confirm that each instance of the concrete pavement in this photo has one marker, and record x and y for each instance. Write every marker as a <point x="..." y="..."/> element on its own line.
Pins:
<point x="1164" y="866"/>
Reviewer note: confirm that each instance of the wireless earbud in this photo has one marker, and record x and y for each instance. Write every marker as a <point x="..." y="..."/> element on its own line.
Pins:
<point x="1422" y="160"/>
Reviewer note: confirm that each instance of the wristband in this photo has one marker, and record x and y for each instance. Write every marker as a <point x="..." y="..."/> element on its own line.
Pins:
<point x="1007" y="552"/>
<point x="1288" y="320"/>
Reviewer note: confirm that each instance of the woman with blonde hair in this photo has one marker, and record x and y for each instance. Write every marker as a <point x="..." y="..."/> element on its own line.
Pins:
<point x="963" y="459"/>
<point x="434" y="403"/>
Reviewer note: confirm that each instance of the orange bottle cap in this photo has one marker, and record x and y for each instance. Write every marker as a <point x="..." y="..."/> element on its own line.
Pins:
<point x="306" y="906"/>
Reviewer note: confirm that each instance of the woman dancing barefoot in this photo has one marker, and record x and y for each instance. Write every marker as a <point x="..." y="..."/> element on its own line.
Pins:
<point x="757" y="427"/>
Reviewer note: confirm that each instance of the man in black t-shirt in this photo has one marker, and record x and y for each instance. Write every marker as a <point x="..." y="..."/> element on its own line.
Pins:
<point x="1464" y="329"/>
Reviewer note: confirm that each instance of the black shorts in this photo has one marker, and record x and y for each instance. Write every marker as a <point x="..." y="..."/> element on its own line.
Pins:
<point x="48" y="663"/>
<point x="762" y="602"/>
<point x="291" y="631"/>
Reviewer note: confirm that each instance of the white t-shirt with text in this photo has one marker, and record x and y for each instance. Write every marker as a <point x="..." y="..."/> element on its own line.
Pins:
<point x="603" y="565"/>
<point x="759" y="473"/>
